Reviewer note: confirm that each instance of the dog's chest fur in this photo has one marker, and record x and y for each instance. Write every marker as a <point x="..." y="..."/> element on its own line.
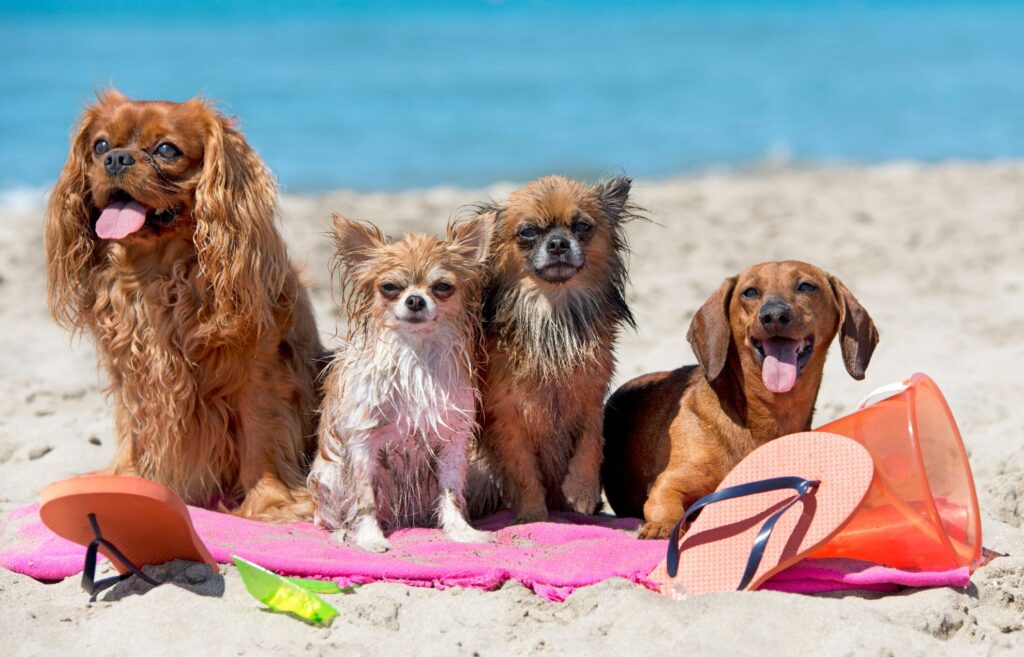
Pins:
<point x="399" y="402"/>
<point x="551" y="346"/>
<point x="172" y="384"/>
<point x="549" y="364"/>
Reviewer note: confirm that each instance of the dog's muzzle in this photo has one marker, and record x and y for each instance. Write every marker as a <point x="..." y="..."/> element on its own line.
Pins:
<point x="558" y="257"/>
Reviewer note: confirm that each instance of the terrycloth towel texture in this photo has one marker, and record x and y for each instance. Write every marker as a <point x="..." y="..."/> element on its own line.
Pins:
<point x="553" y="558"/>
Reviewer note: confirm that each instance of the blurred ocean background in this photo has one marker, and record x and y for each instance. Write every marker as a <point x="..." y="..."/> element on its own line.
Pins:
<point x="392" y="95"/>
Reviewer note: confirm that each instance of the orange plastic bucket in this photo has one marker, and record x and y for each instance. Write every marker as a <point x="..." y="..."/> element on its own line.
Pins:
<point x="921" y="511"/>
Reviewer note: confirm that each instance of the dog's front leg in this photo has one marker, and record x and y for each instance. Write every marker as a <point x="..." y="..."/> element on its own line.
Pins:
<point x="326" y="483"/>
<point x="366" y="530"/>
<point x="582" y="484"/>
<point x="451" y="479"/>
<point x="516" y="466"/>
<point x="671" y="493"/>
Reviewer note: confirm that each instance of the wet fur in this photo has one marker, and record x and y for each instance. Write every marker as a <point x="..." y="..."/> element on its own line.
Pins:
<point x="203" y="326"/>
<point x="400" y="409"/>
<point x="549" y="351"/>
<point x="671" y="437"/>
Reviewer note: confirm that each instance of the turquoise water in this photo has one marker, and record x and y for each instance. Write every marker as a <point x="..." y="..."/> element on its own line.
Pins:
<point x="400" y="94"/>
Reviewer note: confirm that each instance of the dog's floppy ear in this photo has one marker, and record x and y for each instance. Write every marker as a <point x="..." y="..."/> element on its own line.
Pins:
<point x="237" y="244"/>
<point x="355" y="239"/>
<point x="68" y="238"/>
<point x="614" y="197"/>
<point x="857" y="333"/>
<point x="471" y="238"/>
<point x="710" y="333"/>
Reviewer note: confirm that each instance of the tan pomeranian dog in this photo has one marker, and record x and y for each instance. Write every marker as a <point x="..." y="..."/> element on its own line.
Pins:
<point x="553" y="308"/>
<point x="400" y="405"/>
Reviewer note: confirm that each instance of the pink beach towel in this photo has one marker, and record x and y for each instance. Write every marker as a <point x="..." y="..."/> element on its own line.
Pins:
<point x="551" y="558"/>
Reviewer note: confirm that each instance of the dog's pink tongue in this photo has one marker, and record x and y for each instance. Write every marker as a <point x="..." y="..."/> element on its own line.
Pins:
<point x="120" y="219"/>
<point x="779" y="368"/>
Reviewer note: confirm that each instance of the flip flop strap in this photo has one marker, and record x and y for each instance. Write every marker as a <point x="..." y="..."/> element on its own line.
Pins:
<point x="799" y="484"/>
<point x="89" y="583"/>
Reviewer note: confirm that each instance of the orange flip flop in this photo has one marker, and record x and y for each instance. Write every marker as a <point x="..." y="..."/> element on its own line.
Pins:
<point x="779" y="504"/>
<point x="131" y="521"/>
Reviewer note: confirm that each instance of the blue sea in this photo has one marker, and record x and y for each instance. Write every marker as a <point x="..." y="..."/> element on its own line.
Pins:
<point x="393" y="95"/>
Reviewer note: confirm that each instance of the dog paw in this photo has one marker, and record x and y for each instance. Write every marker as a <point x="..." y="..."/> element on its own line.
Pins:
<point x="525" y="516"/>
<point x="377" y="544"/>
<point x="369" y="537"/>
<point x="271" y="501"/>
<point x="467" y="534"/>
<point x="652" y="530"/>
<point x="582" y="497"/>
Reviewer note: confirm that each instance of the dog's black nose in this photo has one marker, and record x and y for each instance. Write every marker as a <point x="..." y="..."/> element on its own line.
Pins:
<point x="557" y="245"/>
<point x="777" y="314"/>
<point x="116" y="162"/>
<point x="415" y="303"/>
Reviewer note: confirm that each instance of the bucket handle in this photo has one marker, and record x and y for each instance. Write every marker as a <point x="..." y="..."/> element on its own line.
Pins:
<point x="883" y="393"/>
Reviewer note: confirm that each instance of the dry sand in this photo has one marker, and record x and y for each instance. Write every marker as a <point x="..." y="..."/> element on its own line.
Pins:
<point x="936" y="255"/>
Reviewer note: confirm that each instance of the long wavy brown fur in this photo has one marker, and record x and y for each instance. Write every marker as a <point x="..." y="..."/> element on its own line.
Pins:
<point x="202" y="325"/>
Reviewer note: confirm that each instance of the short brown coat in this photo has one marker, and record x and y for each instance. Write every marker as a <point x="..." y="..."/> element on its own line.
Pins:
<point x="671" y="437"/>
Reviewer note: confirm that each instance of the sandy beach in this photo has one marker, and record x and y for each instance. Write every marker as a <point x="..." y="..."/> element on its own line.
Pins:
<point x="934" y="252"/>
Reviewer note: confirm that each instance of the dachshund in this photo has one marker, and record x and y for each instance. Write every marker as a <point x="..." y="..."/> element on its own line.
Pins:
<point x="761" y="342"/>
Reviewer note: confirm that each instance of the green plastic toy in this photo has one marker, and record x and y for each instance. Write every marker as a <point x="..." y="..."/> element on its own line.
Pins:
<point x="290" y="595"/>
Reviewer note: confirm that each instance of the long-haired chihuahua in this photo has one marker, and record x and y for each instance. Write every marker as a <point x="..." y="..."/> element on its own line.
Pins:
<point x="161" y="243"/>
<point x="552" y="311"/>
<point x="400" y="404"/>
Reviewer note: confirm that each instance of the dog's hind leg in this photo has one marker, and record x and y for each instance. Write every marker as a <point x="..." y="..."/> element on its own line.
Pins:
<point x="269" y="473"/>
<point x="271" y="501"/>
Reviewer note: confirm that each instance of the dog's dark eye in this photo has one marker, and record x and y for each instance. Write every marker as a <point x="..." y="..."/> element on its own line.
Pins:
<point x="168" y="151"/>
<point x="390" y="290"/>
<point x="581" y="227"/>
<point x="528" y="233"/>
<point x="751" y="293"/>
<point x="101" y="146"/>
<point x="442" y="288"/>
<point x="806" y="287"/>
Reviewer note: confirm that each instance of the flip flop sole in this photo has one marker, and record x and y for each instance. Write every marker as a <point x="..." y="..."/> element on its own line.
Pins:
<point x="146" y="521"/>
<point x="715" y="549"/>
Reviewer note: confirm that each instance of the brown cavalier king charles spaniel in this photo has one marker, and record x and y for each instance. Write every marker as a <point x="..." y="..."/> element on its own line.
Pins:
<point x="161" y="242"/>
